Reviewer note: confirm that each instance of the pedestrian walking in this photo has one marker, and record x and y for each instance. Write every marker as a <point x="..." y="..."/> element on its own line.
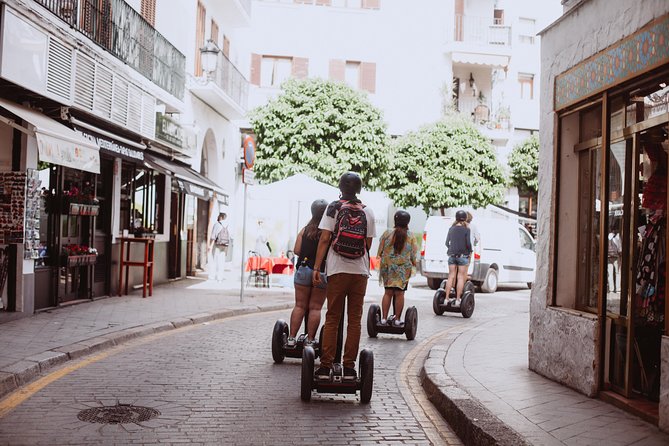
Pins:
<point x="397" y="251"/>
<point x="347" y="231"/>
<point x="309" y="297"/>
<point x="459" y="244"/>
<point x="218" y="247"/>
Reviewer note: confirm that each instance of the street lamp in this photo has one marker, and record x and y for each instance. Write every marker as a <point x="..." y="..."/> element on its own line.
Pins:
<point x="209" y="57"/>
<point x="472" y="84"/>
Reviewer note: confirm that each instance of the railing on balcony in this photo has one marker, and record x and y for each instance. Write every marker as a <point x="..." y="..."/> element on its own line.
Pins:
<point x="119" y="29"/>
<point x="231" y="81"/>
<point x="481" y="113"/>
<point x="481" y="30"/>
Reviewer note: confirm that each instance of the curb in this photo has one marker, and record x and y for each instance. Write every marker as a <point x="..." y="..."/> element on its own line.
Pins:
<point x="20" y="373"/>
<point x="471" y="421"/>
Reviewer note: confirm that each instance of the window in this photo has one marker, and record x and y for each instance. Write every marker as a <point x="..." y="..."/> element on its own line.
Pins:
<point x="142" y="198"/>
<point x="355" y="4"/>
<point x="525" y="240"/>
<point x="526" y="31"/>
<point x="352" y="74"/>
<point x="199" y="37"/>
<point x="526" y="82"/>
<point x="275" y="70"/>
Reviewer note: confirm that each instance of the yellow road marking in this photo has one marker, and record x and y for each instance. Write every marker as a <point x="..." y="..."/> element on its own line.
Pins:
<point x="15" y="399"/>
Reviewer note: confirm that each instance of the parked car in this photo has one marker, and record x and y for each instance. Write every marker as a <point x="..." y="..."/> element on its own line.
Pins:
<point x="505" y="253"/>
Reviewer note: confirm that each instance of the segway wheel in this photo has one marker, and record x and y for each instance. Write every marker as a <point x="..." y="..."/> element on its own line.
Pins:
<point x="366" y="375"/>
<point x="411" y="323"/>
<point x="373" y="316"/>
<point x="437" y="301"/>
<point x="467" y="305"/>
<point x="278" y="334"/>
<point x="308" y="356"/>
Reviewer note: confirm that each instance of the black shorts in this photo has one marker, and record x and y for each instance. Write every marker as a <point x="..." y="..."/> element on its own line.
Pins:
<point x="396" y="288"/>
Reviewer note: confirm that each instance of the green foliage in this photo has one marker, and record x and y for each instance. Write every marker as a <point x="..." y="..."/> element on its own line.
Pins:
<point x="320" y="128"/>
<point x="524" y="164"/>
<point x="446" y="164"/>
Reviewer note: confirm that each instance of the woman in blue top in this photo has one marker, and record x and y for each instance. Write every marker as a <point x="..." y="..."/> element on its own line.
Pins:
<point x="459" y="246"/>
<point x="309" y="297"/>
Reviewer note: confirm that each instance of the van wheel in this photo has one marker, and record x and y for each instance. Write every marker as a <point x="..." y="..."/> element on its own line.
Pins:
<point x="489" y="284"/>
<point x="434" y="284"/>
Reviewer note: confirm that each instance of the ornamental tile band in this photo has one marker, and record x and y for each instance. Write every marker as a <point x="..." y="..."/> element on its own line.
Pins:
<point x="642" y="51"/>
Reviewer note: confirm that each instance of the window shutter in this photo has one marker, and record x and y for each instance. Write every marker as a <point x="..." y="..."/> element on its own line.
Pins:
<point x="368" y="76"/>
<point x="214" y="31"/>
<point x="226" y="46"/>
<point x="371" y="4"/>
<point x="324" y="2"/>
<point x="199" y="37"/>
<point x="300" y="69"/>
<point x="255" y="68"/>
<point x="148" y="11"/>
<point x="337" y="69"/>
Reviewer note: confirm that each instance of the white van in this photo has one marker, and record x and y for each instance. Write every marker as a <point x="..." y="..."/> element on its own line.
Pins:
<point x="505" y="253"/>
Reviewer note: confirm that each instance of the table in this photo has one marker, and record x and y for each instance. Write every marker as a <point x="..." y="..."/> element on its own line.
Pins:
<point x="272" y="265"/>
<point x="146" y="263"/>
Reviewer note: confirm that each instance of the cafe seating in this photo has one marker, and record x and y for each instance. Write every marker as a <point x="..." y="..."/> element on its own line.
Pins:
<point x="258" y="271"/>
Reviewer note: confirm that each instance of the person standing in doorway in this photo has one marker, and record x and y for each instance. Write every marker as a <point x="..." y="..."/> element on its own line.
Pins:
<point x="218" y="247"/>
<point x="347" y="231"/>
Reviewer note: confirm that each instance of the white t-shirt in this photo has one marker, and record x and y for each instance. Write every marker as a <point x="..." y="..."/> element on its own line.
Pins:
<point x="336" y="263"/>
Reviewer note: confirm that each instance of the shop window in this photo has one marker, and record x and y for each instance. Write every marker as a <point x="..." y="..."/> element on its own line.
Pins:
<point x="275" y="70"/>
<point x="142" y="198"/>
<point x="590" y="123"/>
<point x="648" y="101"/>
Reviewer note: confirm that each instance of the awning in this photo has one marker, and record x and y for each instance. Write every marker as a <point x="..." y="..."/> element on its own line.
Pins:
<point x="110" y="143"/>
<point x="195" y="183"/>
<point x="56" y="143"/>
<point x="493" y="60"/>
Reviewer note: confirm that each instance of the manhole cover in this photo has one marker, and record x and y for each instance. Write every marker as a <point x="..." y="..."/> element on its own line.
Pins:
<point x="119" y="414"/>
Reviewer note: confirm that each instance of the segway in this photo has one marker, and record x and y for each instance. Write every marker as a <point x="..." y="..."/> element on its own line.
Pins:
<point x="440" y="304"/>
<point x="407" y="328"/>
<point x="280" y="347"/>
<point x="336" y="383"/>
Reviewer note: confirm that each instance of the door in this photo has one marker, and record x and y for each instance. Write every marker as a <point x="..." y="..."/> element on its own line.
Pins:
<point x="635" y="291"/>
<point x="103" y="231"/>
<point x="176" y="225"/>
<point x="527" y="258"/>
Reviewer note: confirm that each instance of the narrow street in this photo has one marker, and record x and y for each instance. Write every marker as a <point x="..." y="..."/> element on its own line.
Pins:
<point x="216" y="383"/>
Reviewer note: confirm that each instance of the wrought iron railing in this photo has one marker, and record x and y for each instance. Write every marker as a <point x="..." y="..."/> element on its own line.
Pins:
<point x="231" y="80"/>
<point x="481" y="30"/>
<point x="119" y="29"/>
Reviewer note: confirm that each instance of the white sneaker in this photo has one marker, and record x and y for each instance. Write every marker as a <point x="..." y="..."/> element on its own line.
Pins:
<point x="291" y="342"/>
<point x="384" y="321"/>
<point x="457" y="302"/>
<point x="397" y="323"/>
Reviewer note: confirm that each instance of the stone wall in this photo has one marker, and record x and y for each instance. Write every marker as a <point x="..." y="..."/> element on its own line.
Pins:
<point x="563" y="343"/>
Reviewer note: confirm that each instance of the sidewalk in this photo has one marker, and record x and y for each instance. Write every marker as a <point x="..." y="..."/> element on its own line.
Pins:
<point x="33" y="345"/>
<point x="479" y="380"/>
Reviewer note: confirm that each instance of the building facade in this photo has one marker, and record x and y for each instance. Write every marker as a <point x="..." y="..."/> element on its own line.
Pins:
<point x="413" y="60"/>
<point x="110" y="128"/>
<point x="598" y="313"/>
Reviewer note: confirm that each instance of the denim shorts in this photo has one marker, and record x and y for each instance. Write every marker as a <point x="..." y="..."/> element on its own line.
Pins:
<point x="458" y="260"/>
<point x="304" y="277"/>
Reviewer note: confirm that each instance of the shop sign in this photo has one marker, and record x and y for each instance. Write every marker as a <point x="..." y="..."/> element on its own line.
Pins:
<point x="172" y="132"/>
<point x="111" y="146"/>
<point x="66" y="153"/>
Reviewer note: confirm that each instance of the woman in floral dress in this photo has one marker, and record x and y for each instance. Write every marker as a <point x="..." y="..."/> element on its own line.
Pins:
<point x="397" y="250"/>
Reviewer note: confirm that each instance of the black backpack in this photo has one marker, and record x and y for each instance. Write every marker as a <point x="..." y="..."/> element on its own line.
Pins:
<point x="350" y="231"/>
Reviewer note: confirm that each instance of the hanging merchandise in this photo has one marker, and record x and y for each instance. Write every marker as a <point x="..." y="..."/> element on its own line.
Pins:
<point x="650" y="279"/>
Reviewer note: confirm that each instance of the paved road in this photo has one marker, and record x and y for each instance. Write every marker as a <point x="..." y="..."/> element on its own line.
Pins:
<point x="215" y="383"/>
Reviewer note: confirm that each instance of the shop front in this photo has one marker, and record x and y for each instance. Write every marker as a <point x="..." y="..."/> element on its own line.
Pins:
<point x="48" y="209"/>
<point x="599" y="313"/>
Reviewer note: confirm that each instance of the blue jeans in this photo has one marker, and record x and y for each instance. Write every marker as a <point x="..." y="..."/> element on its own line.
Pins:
<point x="458" y="260"/>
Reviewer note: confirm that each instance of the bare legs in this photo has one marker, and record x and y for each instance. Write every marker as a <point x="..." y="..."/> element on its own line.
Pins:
<point x="462" y="278"/>
<point x="399" y="303"/>
<point x="311" y="298"/>
<point x="452" y="272"/>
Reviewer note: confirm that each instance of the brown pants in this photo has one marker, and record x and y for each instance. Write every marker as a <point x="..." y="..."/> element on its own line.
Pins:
<point x="340" y="287"/>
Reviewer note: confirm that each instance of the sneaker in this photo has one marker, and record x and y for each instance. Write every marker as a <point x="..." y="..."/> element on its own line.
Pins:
<point x="397" y="323"/>
<point x="457" y="302"/>
<point x="291" y="342"/>
<point x="384" y="321"/>
<point x="323" y="373"/>
<point x="349" y="374"/>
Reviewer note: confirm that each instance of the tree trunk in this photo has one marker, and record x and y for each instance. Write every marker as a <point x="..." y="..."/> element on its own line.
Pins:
<point x="442" y="211"/>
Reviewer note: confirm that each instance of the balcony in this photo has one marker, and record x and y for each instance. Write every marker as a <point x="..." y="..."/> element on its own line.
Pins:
<point x="492" y="121"/>
<point x="231" y="13"/>
<point x="225" y="90"/>
<point x="479" y="40"/>
<point x="123" y="32"/>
